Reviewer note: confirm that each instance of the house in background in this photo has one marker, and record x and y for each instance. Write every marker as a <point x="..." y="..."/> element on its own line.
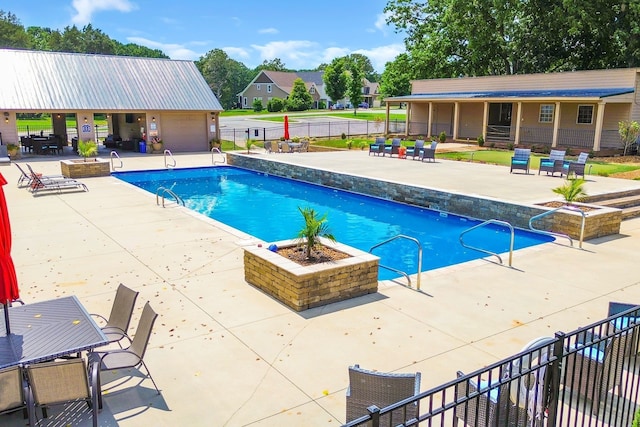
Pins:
<point x="579" y="110"/>
<point x="279" y="84"/>
<point x="140" y="97"/>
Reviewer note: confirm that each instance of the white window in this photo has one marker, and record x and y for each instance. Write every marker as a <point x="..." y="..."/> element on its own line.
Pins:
<point x="244" y="101"/>
<point x="258" y="86"/>
<point x="312" y="90"/>
<point x="585" y="114"/>
<point x="268" y="88"/>
<point x="546" y="113"/>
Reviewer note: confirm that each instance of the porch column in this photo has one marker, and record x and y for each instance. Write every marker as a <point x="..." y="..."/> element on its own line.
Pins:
<point x="518" y="121"/>
<point x="85" y="126"/>
<point x="485" y="120"/>
<point x="456" y="119"/>
<point x="430" y="121"/>
<point x="599" y="122"/>
<point x="556" y="125"/>
<point x="386" y="122"/>
<point x="406" y="119"/>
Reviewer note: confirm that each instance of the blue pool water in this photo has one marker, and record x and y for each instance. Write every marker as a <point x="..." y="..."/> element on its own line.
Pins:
<point x="266" y="207"/>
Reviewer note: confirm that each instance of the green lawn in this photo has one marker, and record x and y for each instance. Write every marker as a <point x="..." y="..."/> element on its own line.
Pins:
<point x="503" y="157"/>
<point x="36" y="125"/>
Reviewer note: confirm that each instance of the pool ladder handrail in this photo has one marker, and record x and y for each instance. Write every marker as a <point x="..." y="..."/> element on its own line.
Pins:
<point x="215" y="150"/>
<point x="553" y="233"/>
<point x="164" y="191"/>
<point x="166" y="165"/>
<point x="112" y="155"/>
<point x="487" y="222"/>
<point x="417" y="242"/>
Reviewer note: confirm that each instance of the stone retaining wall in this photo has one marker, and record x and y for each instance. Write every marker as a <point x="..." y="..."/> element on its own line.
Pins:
<point x="85" y="169"/>
<point x="601" y="221"/>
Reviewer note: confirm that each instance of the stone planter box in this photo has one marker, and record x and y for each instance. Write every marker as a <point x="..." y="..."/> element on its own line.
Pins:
<point x="78" y="168"/>
<point x="599" y="221"/>
<point x="303" y="287"/>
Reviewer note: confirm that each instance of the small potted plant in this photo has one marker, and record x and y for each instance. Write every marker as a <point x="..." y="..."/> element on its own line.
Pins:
<point x="442" y="137"/>
<point x="156" y="143"/>
<point x="13" y="151"/>
<point x="571" y="191"/>
<point x="314" y="228"/>
<point x="87" y="149"/>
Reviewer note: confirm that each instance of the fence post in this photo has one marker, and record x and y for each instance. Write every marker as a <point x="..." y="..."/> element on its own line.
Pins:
<point x="374" y="412"/>
<point x="555" y="369"/>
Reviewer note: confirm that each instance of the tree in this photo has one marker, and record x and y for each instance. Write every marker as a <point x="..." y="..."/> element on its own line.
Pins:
<point x="95" y="41"/>
<point x="40" y="38"/>
<point x="72" y="40"/>
<point x="225" y="76"/>
<point x="396" y="77"/>
<point x="299" y="99"/>
<point x="132" y="49"/>
<point x="354" y="89"/>
<point x="335" y="80"/>
<point x="12" y="33"/>
<point x="629" y="133"/>
<point x="275" y="64"/>
<point x="365" y="65"/>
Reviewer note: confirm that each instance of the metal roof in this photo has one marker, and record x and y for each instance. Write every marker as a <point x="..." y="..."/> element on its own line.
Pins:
<point x="527" y="93"/>
<point x="55" y="81"/>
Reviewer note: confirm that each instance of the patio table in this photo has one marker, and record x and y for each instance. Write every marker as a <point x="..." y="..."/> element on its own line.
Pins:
<point x="48" y="330"/>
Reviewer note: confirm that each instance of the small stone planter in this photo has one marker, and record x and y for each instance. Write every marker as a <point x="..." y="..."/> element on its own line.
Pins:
<point x="79" y="168"/>
<point x="303" y="287"/>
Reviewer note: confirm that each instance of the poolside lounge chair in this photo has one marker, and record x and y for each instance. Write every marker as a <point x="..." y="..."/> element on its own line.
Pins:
<point x="553" y="163"/>
<point x="392" y="149"/>
<point x="377" y="147"/>
<point x="118" y="322"/>
<point x="429" y="153"/>
<point x="368" y="388"/>
<point x="622" y="322"/>
<point x="575" y="166"/>
<point x="39" y="184"/>
<point x="12" y="392"/>
<point x="131" y="357"/>
<point x="520" y="160"/>
<point x="267" y="147"/>
<point x="4" y="155"/>
<point x="414" y="151"/>
<point x="61" y="382"/>
<point x="285" y="147"/>
<point x="28" y="177"/>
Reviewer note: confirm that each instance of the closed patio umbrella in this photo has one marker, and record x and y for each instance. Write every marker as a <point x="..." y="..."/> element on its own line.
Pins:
<point x="286" y="128"/>
<point x="9" y="281"/>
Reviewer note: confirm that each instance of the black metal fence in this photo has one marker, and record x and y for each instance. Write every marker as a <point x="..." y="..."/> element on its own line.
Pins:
<point x="588" y="377"/>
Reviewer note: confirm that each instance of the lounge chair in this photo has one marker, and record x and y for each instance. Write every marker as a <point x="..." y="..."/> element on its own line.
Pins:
<point x="4" y="155"/>
<point x="267" y="147"/>
<point x="131" y="357"/>
<point x="414" y="151"/>
<point x="118" y="322"/>
<point x="61" y="382"/>
<point x="377" y="147"/>
<point x="429" y="153"/>
<point x="285" y="147"/>
<point x="12" y="391"/>
<point x="392" y="149"/>
<point x="575" y="166"/>
<point x="368" y="388"/>
<point x="39" y="184"/>
<point x="553" y="163"/>
<point x="622" y="322"/>
<point x="28" y="177"/>
<point x="521" y="159"/>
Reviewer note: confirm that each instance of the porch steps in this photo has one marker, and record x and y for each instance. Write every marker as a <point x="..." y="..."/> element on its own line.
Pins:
<point x="628" y="201"/>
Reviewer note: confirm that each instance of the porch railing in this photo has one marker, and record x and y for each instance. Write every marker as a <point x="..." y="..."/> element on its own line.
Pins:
<point x="588" y="377"/>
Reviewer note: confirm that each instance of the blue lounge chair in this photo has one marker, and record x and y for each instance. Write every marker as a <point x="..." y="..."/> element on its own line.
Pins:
<point x="520" y="159"/>
<point x="377" y="147"/>
<point x="575" y="166"/>
<point x="392" y="149"/>
<point x="553" y="163"/>
<point x="429" y="153"/>
<point x="416" y="149"/>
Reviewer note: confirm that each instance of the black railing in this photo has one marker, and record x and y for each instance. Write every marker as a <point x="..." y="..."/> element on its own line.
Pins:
<point x="588" y="377"/>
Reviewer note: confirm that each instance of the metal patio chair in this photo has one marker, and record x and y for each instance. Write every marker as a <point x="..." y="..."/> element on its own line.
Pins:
<point x="12" y="390"/>
<point x="368" y="388"/>
<point x="119" y="319"/>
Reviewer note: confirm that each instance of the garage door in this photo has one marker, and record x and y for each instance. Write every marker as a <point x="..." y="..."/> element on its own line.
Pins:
<point x="185" y="132"/>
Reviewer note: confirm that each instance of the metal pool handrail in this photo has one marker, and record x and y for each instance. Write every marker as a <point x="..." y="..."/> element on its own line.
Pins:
<point x="112" y="155"/>
<point x="490" y="221"/>
<point x="215" y="150"/>
<point x="553" y="233"/>
<point x="168" y="152"/>
<point x="417" y="242"/>
<point x="164" y="191"/>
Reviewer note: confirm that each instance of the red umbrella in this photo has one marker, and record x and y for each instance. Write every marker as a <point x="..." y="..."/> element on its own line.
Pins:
<point x="9" y="281"/>
<point x="286" y="128"/>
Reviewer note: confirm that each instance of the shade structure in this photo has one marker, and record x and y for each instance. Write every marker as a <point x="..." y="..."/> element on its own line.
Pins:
<point x="286" y="128"/>
<point x="9" y="281"/>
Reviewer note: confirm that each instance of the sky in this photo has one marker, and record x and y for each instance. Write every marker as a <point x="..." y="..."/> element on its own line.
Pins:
<point x="303" y="35"/>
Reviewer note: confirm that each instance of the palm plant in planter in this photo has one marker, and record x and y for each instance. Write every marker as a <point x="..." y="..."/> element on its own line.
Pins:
<point x="572" y="190"/>
<point x="314" y="228"/>
<point x="87" y="149"/>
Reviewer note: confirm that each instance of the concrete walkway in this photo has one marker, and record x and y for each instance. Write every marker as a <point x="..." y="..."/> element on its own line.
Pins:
<point x="225" y="354"/>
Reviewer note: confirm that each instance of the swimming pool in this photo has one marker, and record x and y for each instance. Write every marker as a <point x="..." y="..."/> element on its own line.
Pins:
<point x="266" y="207"/>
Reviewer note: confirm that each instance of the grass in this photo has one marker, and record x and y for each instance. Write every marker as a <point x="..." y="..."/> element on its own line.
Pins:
<point x="503" y="157"/>
<point x="362" y="114"/>
<point x="36" y="125"/>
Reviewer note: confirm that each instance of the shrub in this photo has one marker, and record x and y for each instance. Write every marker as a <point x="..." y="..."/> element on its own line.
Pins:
<point x="480" y="141"/>
<point x="275" y="105"/>
<point x="572" y="190"/>
<point x="349" y="144"/>
<point x="492" y="145"/>
<point x="87" y="149"/>
<point x="510" y="146"/>
<point x="315" y="226"/>
<point x="257" y="105"/>
<point x="442" y="137"/>
<point x="343" y="136"/>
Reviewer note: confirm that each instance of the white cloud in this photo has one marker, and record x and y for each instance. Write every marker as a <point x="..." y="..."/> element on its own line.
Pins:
<point x="173" y="50"/>
<point x="86" y="8"/>
<point x="268" y="31"/>
<point x="240" y="54"/>
<point x="379" y="56"/>
<point x="295" y="54"/>
<point x="331" y="53"/>
<point x="381" y="23"/>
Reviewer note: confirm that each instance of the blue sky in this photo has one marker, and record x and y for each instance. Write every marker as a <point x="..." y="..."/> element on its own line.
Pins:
<point x="303" y="35"/>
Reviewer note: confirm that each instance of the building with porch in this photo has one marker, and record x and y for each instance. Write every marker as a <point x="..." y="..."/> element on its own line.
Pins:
<point x="141" y="98"/>
<point x="579" y="110"/>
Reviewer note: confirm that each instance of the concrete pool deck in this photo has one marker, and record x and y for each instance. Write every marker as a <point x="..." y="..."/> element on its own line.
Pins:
<point x="225" y="354"/>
